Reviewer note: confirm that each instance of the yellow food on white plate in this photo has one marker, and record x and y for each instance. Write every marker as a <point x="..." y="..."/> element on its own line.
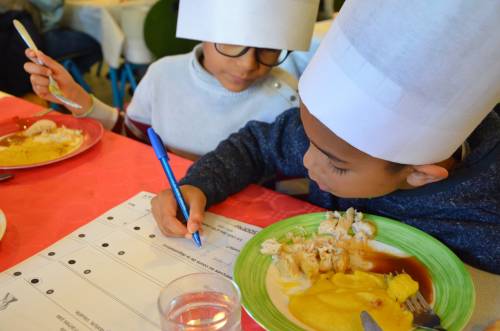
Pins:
<point x="334" y="301"/>
<point x="402" y="287"/>
<point x="328" y="277"/>
<point x="42" y="141"/>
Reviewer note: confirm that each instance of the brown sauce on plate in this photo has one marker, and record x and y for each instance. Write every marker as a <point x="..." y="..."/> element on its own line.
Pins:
<point x="386" y="263"/>
<point x="16" y="138"/>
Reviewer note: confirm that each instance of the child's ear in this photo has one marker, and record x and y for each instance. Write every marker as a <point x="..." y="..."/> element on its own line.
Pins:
<point x="426" y="174"/>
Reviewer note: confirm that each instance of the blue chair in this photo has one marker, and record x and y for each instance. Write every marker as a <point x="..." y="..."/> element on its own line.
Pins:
<point x="76" y="73"/>
<point x="136" y="54"/>
<point x="157" y="28"/>
<point x="75" y="50"/>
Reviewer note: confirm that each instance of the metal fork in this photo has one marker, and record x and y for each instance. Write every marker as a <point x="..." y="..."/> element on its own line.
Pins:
<point x="53" y="86"/>
<point x="423" y="314"/>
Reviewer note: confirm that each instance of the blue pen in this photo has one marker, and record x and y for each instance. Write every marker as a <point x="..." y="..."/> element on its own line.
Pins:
<point x="162" y="155"/>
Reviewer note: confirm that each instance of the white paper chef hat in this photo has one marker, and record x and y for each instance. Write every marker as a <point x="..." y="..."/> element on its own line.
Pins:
<point x="406" y="81"/>
<point x="277" y="24"/>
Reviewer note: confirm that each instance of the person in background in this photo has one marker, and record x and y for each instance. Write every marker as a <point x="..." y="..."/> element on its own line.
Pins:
<point x="195" y="100"/>
<point x="389" y="124"/>
<point x="13" y="80"/>
<point x="62" y="43"/>
<point x="42" y="19"/>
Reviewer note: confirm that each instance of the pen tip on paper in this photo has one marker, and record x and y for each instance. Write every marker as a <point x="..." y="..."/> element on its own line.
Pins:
<point x="196" y="239"/>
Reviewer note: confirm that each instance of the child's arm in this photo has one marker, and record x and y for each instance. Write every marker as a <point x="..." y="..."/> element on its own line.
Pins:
<point x="256" y="152"/>
<point x="39" y="77"/>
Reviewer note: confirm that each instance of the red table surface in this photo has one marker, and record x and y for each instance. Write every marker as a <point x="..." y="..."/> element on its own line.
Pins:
<point x="44" y="204"/>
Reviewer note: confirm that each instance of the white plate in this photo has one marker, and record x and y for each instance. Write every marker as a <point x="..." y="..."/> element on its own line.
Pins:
<point x="3" y="224"/>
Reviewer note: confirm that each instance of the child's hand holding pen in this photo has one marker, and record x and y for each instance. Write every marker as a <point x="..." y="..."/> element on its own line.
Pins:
<point x="196" y="200"/>
<point x="165" y="210"/>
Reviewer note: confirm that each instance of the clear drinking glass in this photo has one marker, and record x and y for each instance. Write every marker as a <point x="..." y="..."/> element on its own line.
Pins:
<point x="200" y="302"/>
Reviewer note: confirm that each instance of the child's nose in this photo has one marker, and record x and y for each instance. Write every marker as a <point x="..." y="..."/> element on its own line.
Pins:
<point x="249" y="60"/>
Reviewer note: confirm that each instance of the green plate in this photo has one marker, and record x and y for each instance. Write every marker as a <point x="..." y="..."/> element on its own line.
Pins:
<point x="453" y="289"/>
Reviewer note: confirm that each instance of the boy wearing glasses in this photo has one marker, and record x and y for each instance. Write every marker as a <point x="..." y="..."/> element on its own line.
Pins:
<point x="395" y="121"/>
<point x="218" y="87"/>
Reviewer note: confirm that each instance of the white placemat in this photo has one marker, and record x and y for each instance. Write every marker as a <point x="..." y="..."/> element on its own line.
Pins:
<point x="107" y="274"/>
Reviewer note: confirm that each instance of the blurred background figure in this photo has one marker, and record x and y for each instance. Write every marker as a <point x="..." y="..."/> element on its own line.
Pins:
<point x="42" y="20"/>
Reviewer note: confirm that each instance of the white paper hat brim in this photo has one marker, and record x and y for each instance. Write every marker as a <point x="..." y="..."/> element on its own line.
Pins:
<point x="382" y="100"/>
<point x="277" y="24"/>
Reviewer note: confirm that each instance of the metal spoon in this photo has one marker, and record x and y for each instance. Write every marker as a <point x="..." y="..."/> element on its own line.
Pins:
<point x="53" y="86"/>
<point x="6" y="176"/>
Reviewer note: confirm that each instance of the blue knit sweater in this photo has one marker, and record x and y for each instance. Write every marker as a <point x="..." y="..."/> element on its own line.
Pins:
<point x="462" y="211"/>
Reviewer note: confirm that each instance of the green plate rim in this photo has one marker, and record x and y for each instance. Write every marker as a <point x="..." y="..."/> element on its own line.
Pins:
<point x="268" y="316"/>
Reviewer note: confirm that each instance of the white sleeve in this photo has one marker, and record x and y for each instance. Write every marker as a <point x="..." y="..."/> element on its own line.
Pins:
<point x="105" y="114"/>
<point x="140" y="107"/>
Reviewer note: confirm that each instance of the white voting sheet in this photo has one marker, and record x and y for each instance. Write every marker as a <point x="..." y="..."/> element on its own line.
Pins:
<point x="107" y="275"/>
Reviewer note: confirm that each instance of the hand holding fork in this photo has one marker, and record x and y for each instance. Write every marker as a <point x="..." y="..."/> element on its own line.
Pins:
<point x="42" y="71"/>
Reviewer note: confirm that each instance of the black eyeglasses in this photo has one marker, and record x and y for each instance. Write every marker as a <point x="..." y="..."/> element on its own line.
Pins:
<point x="266" y="56"/>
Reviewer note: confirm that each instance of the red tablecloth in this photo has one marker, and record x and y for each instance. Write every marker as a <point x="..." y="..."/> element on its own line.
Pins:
<point x="44" y="204"/>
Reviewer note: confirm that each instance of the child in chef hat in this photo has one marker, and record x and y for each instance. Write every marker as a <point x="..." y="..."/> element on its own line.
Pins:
<point x="196" y="100"/>
<point x="395" y="120"/>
